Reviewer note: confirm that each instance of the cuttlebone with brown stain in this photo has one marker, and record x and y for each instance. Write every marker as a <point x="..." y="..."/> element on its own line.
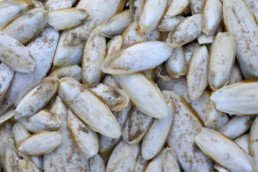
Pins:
<point x="137" y="57"/>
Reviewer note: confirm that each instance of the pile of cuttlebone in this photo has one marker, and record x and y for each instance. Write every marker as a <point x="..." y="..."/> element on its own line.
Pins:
<point x="128" y="85"/>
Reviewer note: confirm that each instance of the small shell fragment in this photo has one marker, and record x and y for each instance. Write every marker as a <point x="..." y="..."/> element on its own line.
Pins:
<point x="224" y="151"/>
<point x="133" y="33"/>
<point x="170" y="163"/>
<point x="196" y="6"/>
<point x="240" y="21"/>
<point x="86" y="139"/>
<point x="116" y="24"/>
<point x="144" y="94"/>
<point x="97" y="164"/>
<point x="197" y="75"/>
<point x="116" y="99"/>
<point x="123" y="157"/>
<point x="211" y="16"/>
<point x="36" y="98"/>
<point x="151" y="14"/>
<point x="239" y="99"/>
<point x="235" y="75"/>
<point x="138" y="57"/>
<point x="114" y="44"/>
<point x="66" y="18"/>
<point x="40" y="143"/>
<point x="73" y="71"/>
<point x="170" y="24"/>
<point x="243" y="142"/>
<point x="176" y="7"/>
<point x="188" y="30"/>
<point x="27" y="26"/>
<point x="222" y="58"/>
<point x="15" y="55"/>
<point x="88" y="107"/>
<point x="205" y="39"/>
<point x="6" y="77"/>
<point x="11" y="9"/>
<point x="155" y="165"/>
<point x="93" y="56"/>
<point x="253" y="142"/>
<point x="19" y="133"/>
<point x="41" y="121"/>
<point x="136" y="126"/>
<point x="156" y="136"/>
<point x="176" y="64"/>
<point x="237" y="126"/>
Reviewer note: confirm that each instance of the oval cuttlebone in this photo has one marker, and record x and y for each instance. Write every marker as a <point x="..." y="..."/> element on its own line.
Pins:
<point x="156" y="136"/>
<point x="116" y="24"/>
<point x="240" y="21"/>
<point x="73" y="71"/>
<point x="36" y="98"/>
<point x="176" y="64"/>
<point x="239" y="99"/>
<point x="170" y="163"/>
<point x="137" y="57"/>
<point x="92" y="59"/>
<point x="42" y="50"/>
<point x="6" y="77"/>
<point x="66" y="18"/>
<point x="115" y="98"/>
<point x="222" y="58"/>
<point x="11" y="9"/>
<point x="97" y="164"/>
<point x="224" y="151"/>
<point x="197" y="75"/>
<point x="211" y="16"/>
<point x="86" y="139"/>
<point x="144" y="94"/>
<point x="67" y="156"/>
<point x="27" y="26"/>
<point x="20" y="133"/>
<point x="188" y="30"/>
<point x="186" y="126"/>
<point x="124" y="154"/>
<point x="237" y="126"/>
<point x="114" y="44"/>
<point x="253" y="141"/>
<point x="151" y="14"/>
<point x="170" y="24"/>
<point x="88" y="107"/>
<point x="70" y="46"/>
<point x="15" y="55"/>
<point x="176" y="7"/>
<point x="40" y="143"/>
<point x="12" y="160"/>
<point x="133" y="33"/>
<point x="136" y="126"/>
<point x="41" y="121"/>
